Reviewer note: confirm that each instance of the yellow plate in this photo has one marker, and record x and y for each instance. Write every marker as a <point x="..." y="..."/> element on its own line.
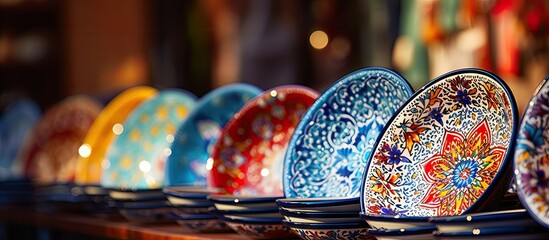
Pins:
<point x="104" y="129"/>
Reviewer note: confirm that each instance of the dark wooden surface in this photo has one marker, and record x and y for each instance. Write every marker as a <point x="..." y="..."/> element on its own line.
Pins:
<point x="106" y="226"/>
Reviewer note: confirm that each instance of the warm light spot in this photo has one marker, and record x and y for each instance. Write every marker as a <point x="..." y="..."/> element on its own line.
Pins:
<point x="169" y="138"/>
<point x="264" y="172"/>
<point x="105" y="163"/>
<point x="117" y="129"/>
<point x="167" y="152"/>
<point x="273" y="93"/>
<point x="145" y="166"/>
<point x="209" y="164"/>
<point x="144" y="118"/>
<point x="318" y="39"/>
<point x="85" y="150"/>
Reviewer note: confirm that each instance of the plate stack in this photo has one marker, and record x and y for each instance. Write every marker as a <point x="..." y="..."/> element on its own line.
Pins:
<point x="142" y="206"/>
<point x="312" y="218"/>
<point x="254" y="217"/>
<point x="191" y="209"/>
<point x="248" y="157"/>
<point x="445" y="152"/>
<point x="323" y="167"/>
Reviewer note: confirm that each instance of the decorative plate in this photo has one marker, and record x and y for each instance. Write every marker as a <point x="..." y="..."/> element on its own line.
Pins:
<point x="53" y="148"/>
<point x="199" y="132"/>
<point x="248" y="157"/>
<point x="104" y="129"/>
<point x="532" y="156"/>
<point x="484" y="221"/>
<point x="136" y="159"/>
<point x="16" y="124"/>
<point x="327" y="154"/>
<point x="446" y="150"/>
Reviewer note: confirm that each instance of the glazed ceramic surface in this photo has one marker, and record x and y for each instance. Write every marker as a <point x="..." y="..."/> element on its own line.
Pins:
<point x="484" y="221"/>
<point x="532" y="156"/>
<point x="136" y="159"/>
<point x="319" y="204"/>
<point x="104" y="129"/>
<point x="421" y="233"/>
<point x="262" y="231"/>
<point x="327" y="154"/>
<point x="392" y="222"/>
<point x="196" y="136"/>
<point x="235" y="202"/>
<point x="320" y="231"/>
<point x="248" y="157"/>
<point x="445" y="150"/>
<point x="16" y="125"/>
<point x="54" y="143"/>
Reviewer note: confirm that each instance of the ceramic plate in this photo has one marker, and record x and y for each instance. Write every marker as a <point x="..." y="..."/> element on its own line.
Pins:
<point x="199" y="132"/>
<point x="532" y="156"/>
<point x="445" y="150"/>
<point x="54" y="143"/>
<point x="484" y="221"/>
<point x="104" y="129"/>
<point x="16" y="124"/>
<point x="136" y="159"/>
<point x="248" y="157"/>
<point x="327" y="154"/>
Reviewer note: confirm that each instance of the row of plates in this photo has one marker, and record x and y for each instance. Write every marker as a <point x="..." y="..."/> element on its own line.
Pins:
<point x="443" y="150"/>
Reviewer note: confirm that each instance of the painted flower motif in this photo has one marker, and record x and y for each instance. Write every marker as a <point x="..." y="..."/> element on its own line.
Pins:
<point x="391" y="155"/>
<point x="530" y="139"/>
<point x="541" y="107"/>
<point x="491" y="96"/>
<point x="462" y="171"/>
<point x="536" y="180"/>
<point x="384" y="185"/>
<point x="411" y="134"/>
<point x="463" y="90"/>
<point x="436" y="114"/>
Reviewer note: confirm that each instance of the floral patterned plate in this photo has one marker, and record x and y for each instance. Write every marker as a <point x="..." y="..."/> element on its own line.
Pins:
<point x="320" y="231"/>
<point x="247" y="158"/>
<point x="136" y="159"/>
<point x="446" y="151"/>
<point x="53" y="147"/>
<point x="532" y="156"/>
<point x="327" y="154"/>
<point x="198" y="133"/>
<point x="104" y="129"/>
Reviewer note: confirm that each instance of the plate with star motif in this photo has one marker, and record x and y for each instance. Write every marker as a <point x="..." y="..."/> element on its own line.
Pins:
<point x="446" y="151"/>
<point x="136" y="159"/>
<point x="248" y="156"/>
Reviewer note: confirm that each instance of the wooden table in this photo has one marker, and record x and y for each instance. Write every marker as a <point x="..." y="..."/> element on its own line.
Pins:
<point x="113" y="227"/>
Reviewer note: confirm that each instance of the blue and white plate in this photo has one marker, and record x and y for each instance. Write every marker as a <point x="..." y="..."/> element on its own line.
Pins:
<point x="391" y="222"/>
<point x="192" y="146"/>
<point x="327" y="153"/>
<point x="336" y="204"/>
<point x="16" y="124"/>
<point x="420" y="233"/>
<point x="137" y="158"/>
<point x="315" y="231"/>
<point x="532" y="156"/>
<point x="446" y="151"/>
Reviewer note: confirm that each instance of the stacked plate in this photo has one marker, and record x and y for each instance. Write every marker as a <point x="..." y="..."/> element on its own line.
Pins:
<point x="445" y="152"/>
<point x="509" y="224"/>
<point x="247" y="161"/>
<point x="323" y="166"/>
<point x="191" y="209"/>
<point x="187" y="166"/>
<point x="142" y="206"/>
<point x="312" y="218"/>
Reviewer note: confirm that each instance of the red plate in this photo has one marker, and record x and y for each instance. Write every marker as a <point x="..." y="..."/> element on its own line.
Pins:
<point x="248" y="157"/>
<point x="53" y="148"/>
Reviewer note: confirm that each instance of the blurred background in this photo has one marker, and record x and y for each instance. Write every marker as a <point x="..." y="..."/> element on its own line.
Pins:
<point x="51" y="49"/>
